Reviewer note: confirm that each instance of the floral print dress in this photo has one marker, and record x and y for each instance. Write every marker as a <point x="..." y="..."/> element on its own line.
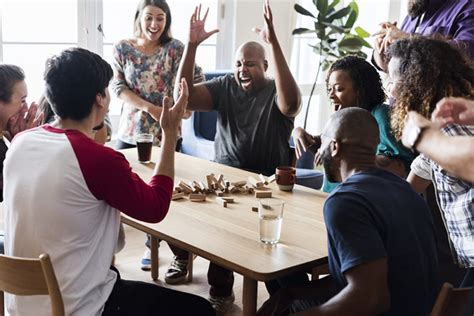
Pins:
<point x="151" y="77"/>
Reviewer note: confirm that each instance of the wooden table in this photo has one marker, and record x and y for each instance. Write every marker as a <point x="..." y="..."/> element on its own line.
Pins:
<point x="229" y="236"/>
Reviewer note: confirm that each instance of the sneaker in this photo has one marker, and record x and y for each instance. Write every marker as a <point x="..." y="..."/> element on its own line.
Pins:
<point x="222" y="304"/>
<point x="177" y="271"/>
<point x="146" y="260"/>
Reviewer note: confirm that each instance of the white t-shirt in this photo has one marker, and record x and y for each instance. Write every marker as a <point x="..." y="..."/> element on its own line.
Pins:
<point x="62" y="194"/>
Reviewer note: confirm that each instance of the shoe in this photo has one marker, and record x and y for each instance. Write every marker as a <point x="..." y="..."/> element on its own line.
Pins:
<point x="177" y="271"/>
<point x="222" y="304"/>
<point x="146" y="260"/>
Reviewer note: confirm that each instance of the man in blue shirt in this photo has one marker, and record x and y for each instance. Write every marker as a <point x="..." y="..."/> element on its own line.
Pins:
<point x="381" y="244"/>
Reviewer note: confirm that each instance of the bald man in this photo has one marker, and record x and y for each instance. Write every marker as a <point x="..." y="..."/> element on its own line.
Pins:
<point x="255" y="116"/>
<point x="381" y="244"/>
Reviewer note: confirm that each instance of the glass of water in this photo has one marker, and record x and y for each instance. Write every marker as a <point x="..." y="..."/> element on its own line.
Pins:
<point x="270" y="213"/>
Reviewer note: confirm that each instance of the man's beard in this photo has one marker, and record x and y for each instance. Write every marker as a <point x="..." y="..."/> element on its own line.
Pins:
<point x="328" y="169"/>
<point x="417" y="7"/>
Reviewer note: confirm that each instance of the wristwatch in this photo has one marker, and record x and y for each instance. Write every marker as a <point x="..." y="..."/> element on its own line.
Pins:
<point x="414" y="136"/>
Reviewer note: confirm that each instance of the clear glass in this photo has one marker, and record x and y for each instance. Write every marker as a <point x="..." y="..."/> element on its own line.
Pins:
<point x="270" y="214"/>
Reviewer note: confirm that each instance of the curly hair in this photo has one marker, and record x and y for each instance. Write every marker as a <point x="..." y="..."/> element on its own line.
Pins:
<point x="365" y="80"/>
<point x="430" y="70"/>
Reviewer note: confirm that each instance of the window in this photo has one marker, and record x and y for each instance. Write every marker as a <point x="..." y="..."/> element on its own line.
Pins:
<point x="32" y="31"/>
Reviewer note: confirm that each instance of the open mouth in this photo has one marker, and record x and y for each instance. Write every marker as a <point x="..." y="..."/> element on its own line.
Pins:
<point x="245" y="82"/>
<point x="336" y="106"/>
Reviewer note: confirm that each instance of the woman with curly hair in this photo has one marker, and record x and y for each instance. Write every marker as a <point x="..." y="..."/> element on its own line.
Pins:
<point x="423" y="71"/>
<point x="352" y="81"/>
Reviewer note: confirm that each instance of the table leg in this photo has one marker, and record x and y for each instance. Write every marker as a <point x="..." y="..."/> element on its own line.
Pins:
<point x="154" y="258"/>
<point x="249" y="296"/>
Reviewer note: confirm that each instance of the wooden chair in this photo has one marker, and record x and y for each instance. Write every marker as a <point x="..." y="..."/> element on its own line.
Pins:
<point x="22" y="276"/>
<point x="451" y="301"/>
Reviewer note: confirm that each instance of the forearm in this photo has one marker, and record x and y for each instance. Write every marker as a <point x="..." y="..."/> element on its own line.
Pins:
<point x="186" y="69"/>
<point x="289" y="95"/>
<point x="351" y="301"/>
<point x="134" y="100"/>
<point x="165" y="163"/>
<point x="454" y="154"/>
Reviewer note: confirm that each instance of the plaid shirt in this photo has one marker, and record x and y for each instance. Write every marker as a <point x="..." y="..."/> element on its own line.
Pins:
<point x="455" y="199"/>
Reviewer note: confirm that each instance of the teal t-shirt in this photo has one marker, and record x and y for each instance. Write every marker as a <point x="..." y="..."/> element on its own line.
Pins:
<point x="388" y="145"/>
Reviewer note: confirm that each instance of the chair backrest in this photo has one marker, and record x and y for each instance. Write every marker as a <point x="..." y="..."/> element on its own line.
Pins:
<point x="451" y="301"/>
<point x="24" y="276"/>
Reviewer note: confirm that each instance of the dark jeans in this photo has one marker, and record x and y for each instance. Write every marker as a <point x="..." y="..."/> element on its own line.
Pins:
<point x="140" y="298"/>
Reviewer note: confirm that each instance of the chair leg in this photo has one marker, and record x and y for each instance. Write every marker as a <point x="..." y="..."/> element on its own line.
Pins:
<point x="190" y="267"/>
<point x="2" y="304"/>
<point x="154" y="258"/>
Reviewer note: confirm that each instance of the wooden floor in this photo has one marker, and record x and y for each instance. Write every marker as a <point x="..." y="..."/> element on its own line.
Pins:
<point x="128" y="263"/>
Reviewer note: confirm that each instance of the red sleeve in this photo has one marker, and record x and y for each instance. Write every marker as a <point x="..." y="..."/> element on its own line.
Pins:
<point x="109" y="177"/>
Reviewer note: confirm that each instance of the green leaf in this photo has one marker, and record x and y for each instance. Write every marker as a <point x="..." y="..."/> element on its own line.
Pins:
<point x="334" y="4"/>
<point x="361" y="32"/>
<point x="336" y="28"/>
<point x="351" y="44"/>
<point x="322" y="6"/>
<point x="303" y="11"/>
<point x="302" y="30"/>
<point x="339" y="13"/>
<point x="353" y="16"/>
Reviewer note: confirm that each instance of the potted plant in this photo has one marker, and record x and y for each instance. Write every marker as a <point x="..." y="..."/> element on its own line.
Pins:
<point x="333" y="30"/>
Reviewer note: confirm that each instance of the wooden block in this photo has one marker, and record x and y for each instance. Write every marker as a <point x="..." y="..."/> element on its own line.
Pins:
<point x="263" y="179"/>
<point x="263" y="194"/>
<point x="254" y="182"/>
<point x="186" y="188"/>
<point x="254" y="209"/>
<point x="202" y="185"/>
<point x="197" y="197"/>
<point x="239" y="183"/>
<point x="209" y="181"/>
<point x="271" y="179"/>
<point x="227" y="184"/>
<point x="235" y="190"/>
<point x="228" y="199"/>
<point x="220" y="193"/>
<point x="221" y="201"/>
<point x="177" y="196"/>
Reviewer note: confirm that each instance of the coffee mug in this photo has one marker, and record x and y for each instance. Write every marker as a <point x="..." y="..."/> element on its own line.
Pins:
<point x="285" y="178"/>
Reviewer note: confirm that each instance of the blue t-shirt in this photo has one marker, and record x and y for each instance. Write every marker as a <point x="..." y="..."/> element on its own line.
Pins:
<point x="376" y="214"/>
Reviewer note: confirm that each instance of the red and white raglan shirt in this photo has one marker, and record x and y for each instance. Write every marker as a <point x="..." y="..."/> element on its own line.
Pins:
<point x="62" y="196"/>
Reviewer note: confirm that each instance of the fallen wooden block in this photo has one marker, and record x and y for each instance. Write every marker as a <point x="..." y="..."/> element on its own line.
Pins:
<point x="254" y="182"/>
<point x="235" y="190"/>
<point x="220" y="193"/>
<point x="239" y="183"/>
<point x="254" y="209"/>
<point x="263" y="194"/>
<point x="271" y="179"/>
<point x="177" y="196"/>
<point x="210" y="181"/>
<point x="186" y="188"/>
<point x="228" y="199"/>
<point x="197" y="197"/>
<point x="221" y="201"/>
<point x="263" y="179"/>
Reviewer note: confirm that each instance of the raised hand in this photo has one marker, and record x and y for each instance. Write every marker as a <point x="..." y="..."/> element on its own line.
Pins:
<point x="197" y="34"/>
<point x="267" y="33"/>
<point x="171" y="116"/>
<point x="454" y="110"/>
<point x="25" y="119"/>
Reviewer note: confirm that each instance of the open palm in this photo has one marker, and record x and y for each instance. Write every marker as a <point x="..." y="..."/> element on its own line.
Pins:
<point x="197" y="33"/>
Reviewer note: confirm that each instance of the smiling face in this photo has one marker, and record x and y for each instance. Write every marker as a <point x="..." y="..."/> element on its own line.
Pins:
<point x="17" y="100"/>
<point x="250" y="67"/>
<point x="152" y="23"/>
<point x="341" y="90"/>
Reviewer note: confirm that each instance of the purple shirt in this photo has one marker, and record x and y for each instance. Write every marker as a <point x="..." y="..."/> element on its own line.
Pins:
<point x="451" y="18"/>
